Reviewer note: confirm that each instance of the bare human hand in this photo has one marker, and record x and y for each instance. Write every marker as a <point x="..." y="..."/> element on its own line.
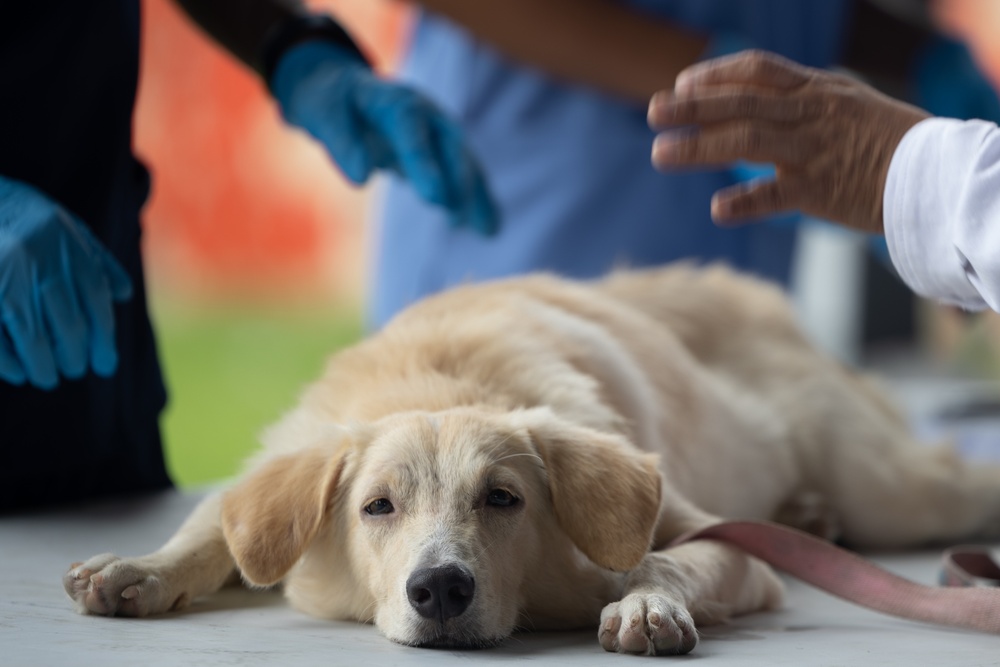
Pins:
<point x="830" y="137"/>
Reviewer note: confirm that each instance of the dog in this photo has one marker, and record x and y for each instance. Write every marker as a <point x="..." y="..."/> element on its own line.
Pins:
<point x="519" y="454"/>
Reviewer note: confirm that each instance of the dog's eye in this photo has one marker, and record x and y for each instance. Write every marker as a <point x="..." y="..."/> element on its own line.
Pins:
<point x="500" y="498"/>
<point x="379" y="506"/>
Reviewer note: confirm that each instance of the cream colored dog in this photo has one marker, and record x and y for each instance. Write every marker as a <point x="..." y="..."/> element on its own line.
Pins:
<point x="518" y="454"/>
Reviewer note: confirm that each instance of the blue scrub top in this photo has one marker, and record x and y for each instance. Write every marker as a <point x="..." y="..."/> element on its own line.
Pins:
<point x="68" y="73"/>
<point x="569" y="165"/>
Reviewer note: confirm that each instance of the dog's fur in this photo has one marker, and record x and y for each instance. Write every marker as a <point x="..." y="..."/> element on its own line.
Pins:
<point x="530" y="446"/>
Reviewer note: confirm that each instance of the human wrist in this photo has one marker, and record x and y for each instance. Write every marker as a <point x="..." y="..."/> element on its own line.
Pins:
<point x="288" y="35"/>
<point x="299" y="62"/>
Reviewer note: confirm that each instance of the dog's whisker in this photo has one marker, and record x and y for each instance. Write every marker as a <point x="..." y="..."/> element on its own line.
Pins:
<point x="367" y="615"/>
<point x="514" y="638"/>
<point x="503" y="442"/>
<point x="475" y="559"/>
<point x="364" y="617"/>
<point x="511" y="456"/>
<point x="526" y="623"/>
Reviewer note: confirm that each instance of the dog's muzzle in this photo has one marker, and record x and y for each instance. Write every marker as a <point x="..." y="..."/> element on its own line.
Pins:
<point x="442" y="596"/>
<point x="441" y="593"/>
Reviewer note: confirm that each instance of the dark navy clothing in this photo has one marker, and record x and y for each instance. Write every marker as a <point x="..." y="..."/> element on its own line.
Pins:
<point x="68" y="75"/>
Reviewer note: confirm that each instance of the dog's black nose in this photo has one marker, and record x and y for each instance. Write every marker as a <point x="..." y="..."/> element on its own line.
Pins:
<point x="440" y="592"/>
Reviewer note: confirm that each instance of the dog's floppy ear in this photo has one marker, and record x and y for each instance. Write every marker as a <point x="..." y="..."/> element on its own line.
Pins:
<point x="606" y="495"/>
<point x="272" y="515"/>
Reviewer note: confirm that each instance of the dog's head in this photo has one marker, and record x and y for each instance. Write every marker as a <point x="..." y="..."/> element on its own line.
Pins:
<point x="443" y="527"/>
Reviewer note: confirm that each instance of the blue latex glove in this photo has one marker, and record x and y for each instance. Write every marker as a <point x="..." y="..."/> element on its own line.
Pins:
<point x="57" y="285"/>
<point x="367" y="124"/>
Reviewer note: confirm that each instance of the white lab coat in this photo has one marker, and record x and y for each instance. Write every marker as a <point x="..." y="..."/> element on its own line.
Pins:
<point x="942" y="211"/>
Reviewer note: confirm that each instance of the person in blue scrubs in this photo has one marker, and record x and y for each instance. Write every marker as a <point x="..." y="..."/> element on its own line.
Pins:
<point x="568" y="163"/>
<point x="80" y="387"/>
<point x="567" y="151"/>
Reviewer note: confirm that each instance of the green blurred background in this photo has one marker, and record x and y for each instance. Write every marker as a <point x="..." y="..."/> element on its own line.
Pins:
<point x="233" y="369"/>
<point x="254" y="243"/>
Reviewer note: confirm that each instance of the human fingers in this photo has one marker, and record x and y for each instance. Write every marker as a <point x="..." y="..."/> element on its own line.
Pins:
<point x="753" y="200"/>
<point x="27" y="335"/>
<point x="332" y="114"/>
<point x="405" y="123"/>
<point x="10" y="368"/>
<point x="349" y="144"/>
<point x="484" y="216"/>
<point x="473" y="205"/>
<point x="118" y="279"/>
<point x="67" y="327"/>
<point x="728" y="104"/>
<point x="754" y="141"/>
<point x="753" y="67"/>
<point x="478" y="210"/>
<point x="96" y="299"/>
<point x="97" y="280"/>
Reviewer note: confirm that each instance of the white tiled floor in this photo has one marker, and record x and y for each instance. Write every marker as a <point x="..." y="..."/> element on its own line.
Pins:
<point x="38" y="626"/>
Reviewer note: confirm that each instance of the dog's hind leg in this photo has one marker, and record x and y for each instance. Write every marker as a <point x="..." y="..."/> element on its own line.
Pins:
<point x="903" y="496"/>
<point x="810" y="512"/>
<point x="672" y="591"/>
<point x="193" y="563"/>
<point x="886" y="489"/>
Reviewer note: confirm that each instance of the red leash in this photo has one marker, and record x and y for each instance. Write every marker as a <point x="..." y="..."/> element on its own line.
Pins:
<point x="975" y="604"/>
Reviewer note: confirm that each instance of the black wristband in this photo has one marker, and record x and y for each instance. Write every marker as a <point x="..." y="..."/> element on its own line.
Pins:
<point x="298" y="29"/>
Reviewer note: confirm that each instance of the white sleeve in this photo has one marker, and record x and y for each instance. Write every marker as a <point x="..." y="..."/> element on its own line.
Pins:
<point x="941" y="210"/>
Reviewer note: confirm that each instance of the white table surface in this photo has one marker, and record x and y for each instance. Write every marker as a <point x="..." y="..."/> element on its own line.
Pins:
<point x="237" y="627"/>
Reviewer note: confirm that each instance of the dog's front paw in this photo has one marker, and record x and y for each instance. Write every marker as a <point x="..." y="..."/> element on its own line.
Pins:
<point x="111" y="586"/>
<point x="647" y="624"/>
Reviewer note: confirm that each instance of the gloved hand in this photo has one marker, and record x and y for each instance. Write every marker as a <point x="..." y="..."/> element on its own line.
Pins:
<point x="57" y="285"/>
<point x="831" y="137"/>
<point x="367" y="123"/>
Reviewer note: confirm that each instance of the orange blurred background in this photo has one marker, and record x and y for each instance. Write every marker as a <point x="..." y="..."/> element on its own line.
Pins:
<point x="247" y="214"/>
<point x="977" y="23"/>
<point x="243" y="206"/>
